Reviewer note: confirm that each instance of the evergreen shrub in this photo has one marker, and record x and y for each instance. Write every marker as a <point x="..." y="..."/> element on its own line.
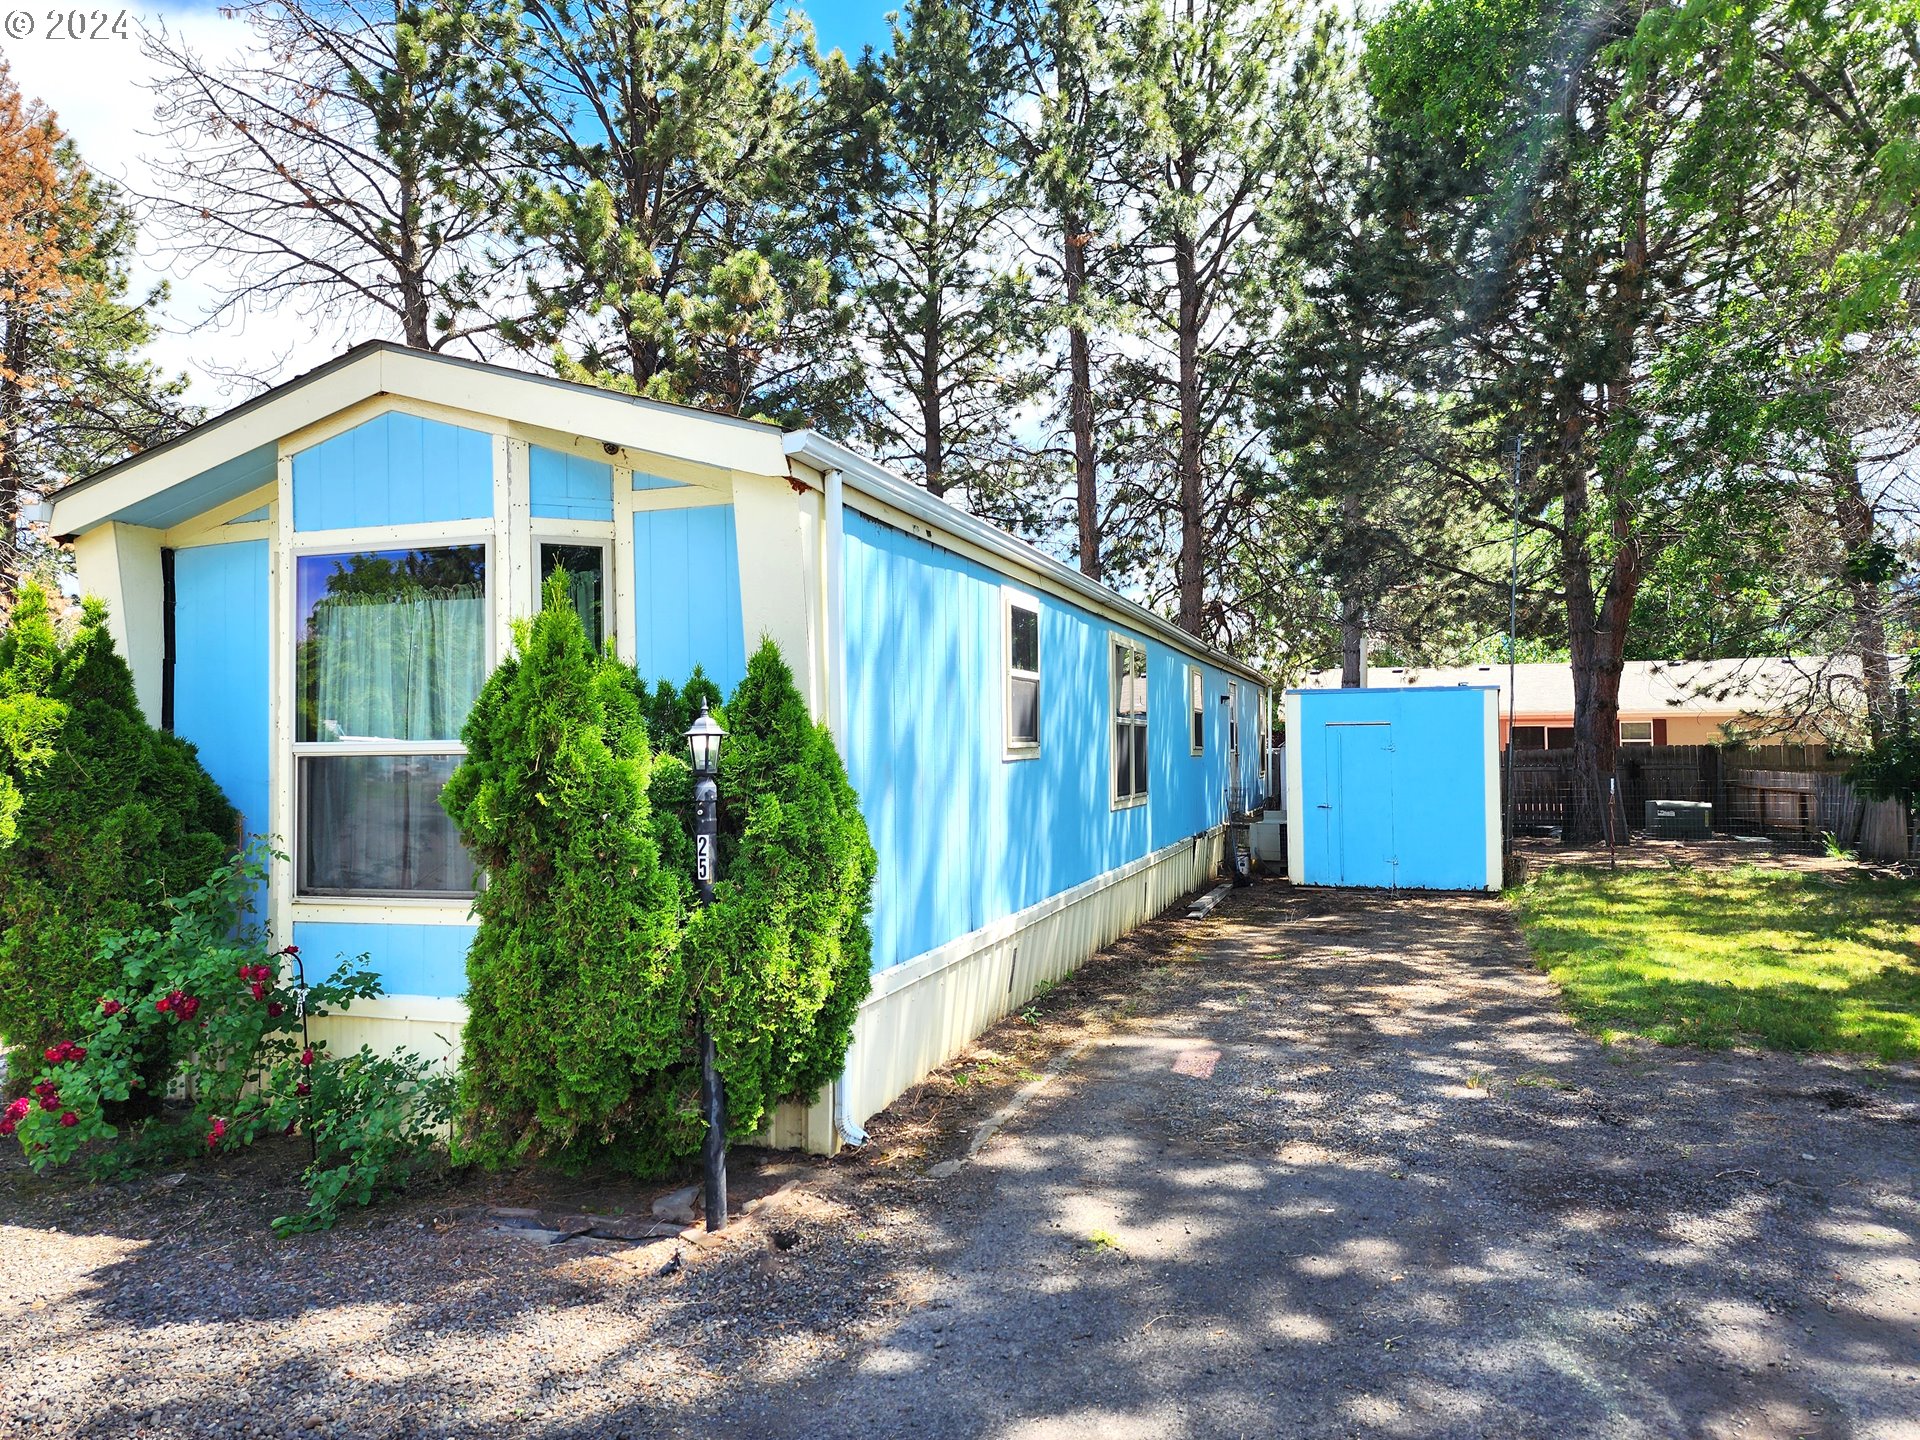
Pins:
<point x="102" y="820"/>
<point x="781" y="959"/>
<point x="576" y="1036"/>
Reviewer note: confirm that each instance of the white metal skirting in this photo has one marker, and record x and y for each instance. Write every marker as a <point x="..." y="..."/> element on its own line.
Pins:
<point x="920" y="1014"/>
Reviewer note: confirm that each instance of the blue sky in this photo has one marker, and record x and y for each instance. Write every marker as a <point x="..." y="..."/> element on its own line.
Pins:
<point x="850" y="24"/>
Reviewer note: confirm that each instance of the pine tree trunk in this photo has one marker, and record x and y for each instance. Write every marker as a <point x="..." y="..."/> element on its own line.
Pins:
<point x="1192" y="575"/>
<point x="1080" y="395"/>
<point x="1597" y="642"/>
<point x="1853" y="517"/>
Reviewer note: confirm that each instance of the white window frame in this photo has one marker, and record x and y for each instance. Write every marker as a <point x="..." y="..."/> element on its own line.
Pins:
<point x="1626" y="739"/>
<point x="1197" y="710"/>
<point x="598" y="537"/>
<point x="357" y="542"/>
<point x="1012" y="748"/>
<point x="1118" y="642"/>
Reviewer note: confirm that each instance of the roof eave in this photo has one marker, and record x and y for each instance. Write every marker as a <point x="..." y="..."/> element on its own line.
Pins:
<point x="882" y="484"/>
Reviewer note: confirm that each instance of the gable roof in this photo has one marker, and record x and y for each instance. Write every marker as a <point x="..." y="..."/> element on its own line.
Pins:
<point x="237" y="452"/>
<point x="225" y="457"/>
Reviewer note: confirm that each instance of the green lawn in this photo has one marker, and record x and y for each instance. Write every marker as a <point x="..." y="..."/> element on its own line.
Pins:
<point x="1739" y="956"/>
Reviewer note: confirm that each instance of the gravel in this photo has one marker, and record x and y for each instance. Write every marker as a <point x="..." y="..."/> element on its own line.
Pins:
<point x="1333" y="1164"/>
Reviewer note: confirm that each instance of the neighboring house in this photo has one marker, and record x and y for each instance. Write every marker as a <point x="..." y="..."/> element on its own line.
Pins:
<point x="313" y="586"/>
<point x="1662" y="702"/>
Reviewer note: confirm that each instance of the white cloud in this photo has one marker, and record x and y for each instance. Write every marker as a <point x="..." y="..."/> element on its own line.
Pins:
<point x="98" y="90"/>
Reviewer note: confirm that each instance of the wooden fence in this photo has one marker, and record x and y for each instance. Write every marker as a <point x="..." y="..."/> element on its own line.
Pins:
<point x="1794" y="796"/>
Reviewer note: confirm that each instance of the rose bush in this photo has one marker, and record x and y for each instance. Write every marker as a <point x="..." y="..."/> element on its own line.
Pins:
<point x="205" y="1006"/>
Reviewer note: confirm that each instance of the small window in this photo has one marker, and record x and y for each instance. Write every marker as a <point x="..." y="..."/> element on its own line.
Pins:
<point x="1197" y="704"/>
<point x="1636" y="732"/>
<point x="586" y="567"/>
<point x="1529" y="737"/>
<point x="1129" y="721"/>
<point x="1023" y="676"/>
<point x="1559" y="737"/>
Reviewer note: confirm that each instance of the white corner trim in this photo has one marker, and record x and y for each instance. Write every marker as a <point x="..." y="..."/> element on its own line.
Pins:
<point x="957" y="951"/>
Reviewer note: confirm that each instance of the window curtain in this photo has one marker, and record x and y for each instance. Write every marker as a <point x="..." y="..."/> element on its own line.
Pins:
<point x="405" y="667"/>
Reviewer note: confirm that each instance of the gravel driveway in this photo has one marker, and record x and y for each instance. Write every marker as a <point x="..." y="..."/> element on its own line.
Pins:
<point x="1331" y="1164"/>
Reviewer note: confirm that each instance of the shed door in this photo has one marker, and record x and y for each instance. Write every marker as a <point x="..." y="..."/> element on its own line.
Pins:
<point x="1357" y="810"/>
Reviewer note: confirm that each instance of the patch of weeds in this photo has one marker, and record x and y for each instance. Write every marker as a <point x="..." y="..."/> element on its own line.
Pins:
<point x="1540" y="1080"/>
<point x="1102" y="1241"/>
<point x="1480" y="1080"/>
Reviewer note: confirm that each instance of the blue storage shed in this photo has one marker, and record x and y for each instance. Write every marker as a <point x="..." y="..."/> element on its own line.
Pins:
<point x="1394" y="788"/>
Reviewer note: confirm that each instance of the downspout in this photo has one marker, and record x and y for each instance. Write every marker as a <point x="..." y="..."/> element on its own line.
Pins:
<point x="847" y="1130"/>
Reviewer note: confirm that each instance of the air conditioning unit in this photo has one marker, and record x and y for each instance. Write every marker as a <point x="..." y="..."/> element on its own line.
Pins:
<point x="1680" y="819"/>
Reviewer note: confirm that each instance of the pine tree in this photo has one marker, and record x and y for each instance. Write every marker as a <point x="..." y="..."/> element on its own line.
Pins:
<point x="676" y="187"/>
<point x="944" y="303"/>
<point x="344" y="164"/>
<point x="112" y="819"/>
<point x="578" y="1012"/>
<point x="74" y="393"/>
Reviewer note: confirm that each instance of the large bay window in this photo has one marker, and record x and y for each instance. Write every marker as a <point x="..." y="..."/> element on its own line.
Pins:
<point x="391" y="651"/>
<point x="1129" y="721"/>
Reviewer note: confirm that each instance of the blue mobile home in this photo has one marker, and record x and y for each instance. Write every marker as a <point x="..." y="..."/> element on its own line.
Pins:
<point x="1043" y="764"/>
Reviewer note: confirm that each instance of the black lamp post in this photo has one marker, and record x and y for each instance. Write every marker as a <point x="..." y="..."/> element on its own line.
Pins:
<point x="703" y="739"/>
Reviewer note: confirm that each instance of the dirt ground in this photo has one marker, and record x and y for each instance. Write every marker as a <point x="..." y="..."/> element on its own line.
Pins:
<point x="1323" y="1164"/>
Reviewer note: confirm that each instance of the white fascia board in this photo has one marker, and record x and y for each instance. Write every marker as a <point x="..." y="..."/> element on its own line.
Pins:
<point x="488" y="390"/>
<point x="875" y="481"/>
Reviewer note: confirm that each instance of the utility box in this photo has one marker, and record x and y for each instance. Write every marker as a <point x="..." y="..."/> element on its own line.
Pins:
<point x="1396" y="787"/>
<point x="1680" y="819"/>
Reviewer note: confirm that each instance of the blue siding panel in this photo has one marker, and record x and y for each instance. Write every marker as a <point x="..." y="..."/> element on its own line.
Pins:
<point x="409" y="959"/>
<point x="1394" y="788"/>
<point x="220" y="669"/>
<point x="686" y="566"/>
<point x="966" y="836"/>
<point x="393" y="470"/>
<point x="569" y="487"/>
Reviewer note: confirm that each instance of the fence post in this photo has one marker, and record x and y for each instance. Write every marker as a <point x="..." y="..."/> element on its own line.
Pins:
<point x="1710" y="782"/>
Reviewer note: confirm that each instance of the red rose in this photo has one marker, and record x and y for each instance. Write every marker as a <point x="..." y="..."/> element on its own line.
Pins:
<point x="259" y="990"/>
<point x="306" y="1056"/>
<point x="19" y="1108"/>
<point x="68" y="1120"/>
<point x="290" y="950"/>
<point x="76" y="1052"/>
<point x="245" y="972"/>
<point x="163" y="1004"/>
<point x="188" y="1007"/>
<point x="110" y="1007"/>
<point x="215" y="1135"/>
<point x="49" y="1102"/>
<point x="55" y="1054"/>
<point x="6" y="1127"/>
<point x="303" y="1088"/>
<point x="44" y="1089"/>
<point x="275" y="1009"/>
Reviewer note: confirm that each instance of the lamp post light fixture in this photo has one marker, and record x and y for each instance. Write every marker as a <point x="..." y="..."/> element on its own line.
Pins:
<point x="703" y="738"/>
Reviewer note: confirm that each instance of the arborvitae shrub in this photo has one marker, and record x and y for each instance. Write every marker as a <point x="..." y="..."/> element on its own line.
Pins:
<point x="112" y="819"/>
<point x="781" y="959"/>
<point x="577" y="1005"/>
